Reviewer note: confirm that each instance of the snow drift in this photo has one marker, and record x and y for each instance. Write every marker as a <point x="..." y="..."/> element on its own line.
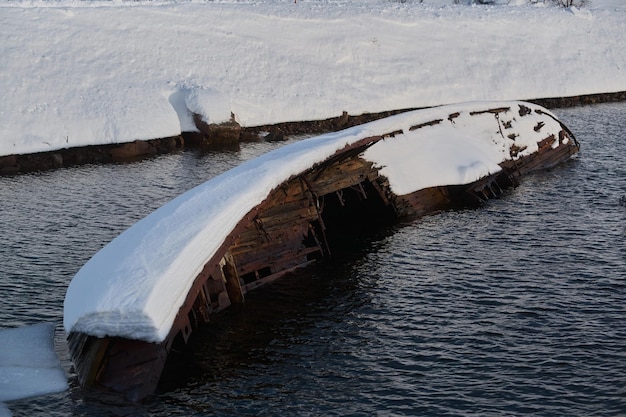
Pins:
<point x="77" y="73"/>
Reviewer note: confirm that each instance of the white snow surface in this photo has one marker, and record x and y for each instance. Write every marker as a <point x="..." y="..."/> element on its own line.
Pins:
<point x="136" y="284"/>
<point x="28" y="364"/>
<point x="80" y="72"/>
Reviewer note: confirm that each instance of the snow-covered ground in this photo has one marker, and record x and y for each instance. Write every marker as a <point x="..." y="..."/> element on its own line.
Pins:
<point x="80" y="72"/>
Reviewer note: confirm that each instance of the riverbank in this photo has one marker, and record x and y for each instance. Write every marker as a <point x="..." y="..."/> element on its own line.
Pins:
<point x="189" y="66"/>
<point x="227" y="136"/>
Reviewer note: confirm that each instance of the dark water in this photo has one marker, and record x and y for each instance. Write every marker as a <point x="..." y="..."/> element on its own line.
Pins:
<point x="515" y="308"/>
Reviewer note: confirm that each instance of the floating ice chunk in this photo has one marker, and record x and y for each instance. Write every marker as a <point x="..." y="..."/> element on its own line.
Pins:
<point x="28" y="364"/>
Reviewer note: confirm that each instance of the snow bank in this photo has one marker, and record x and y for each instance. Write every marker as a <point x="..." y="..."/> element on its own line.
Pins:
<point x="28" y="363"/>
<point x="136" y="284"/>
<point x="77" y="73"/>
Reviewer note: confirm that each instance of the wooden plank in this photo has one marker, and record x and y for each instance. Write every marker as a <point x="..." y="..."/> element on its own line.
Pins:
<point x="496" y="110"/>
<point x="136" y="367"/>
<point x="421" y="125"/>
<point x="273" y="277"/>
<point x="286" y="258"/>
<point x="423" y="201"/>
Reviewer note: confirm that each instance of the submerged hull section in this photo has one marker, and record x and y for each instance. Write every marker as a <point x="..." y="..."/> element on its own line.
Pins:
<point x="298" y="223"/>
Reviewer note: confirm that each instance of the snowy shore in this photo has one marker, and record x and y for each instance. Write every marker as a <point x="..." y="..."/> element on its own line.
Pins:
<point x="80" y="73"/>
<point x="131" y="151"/>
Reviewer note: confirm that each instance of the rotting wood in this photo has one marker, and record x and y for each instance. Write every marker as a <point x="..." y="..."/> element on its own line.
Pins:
<point x="497" y="110"/>
<point x="233" y="286"/>
<point x="421" y="125"/>
<point x="453" y="116"/>
<point x="538" y="126"/>
<point x="392" y="134"/>
<point x="524" y="110"/>
<point x="292" y="228"/>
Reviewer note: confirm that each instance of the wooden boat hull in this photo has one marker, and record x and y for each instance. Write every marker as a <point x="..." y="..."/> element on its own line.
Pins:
<point x="297" y="224"/>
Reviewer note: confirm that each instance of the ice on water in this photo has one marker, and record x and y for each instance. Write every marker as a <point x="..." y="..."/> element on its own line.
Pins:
<point x="28" y="364"/>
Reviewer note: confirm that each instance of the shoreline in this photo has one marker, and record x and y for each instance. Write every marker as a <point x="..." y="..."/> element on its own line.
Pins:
<point x="228" y="136"/>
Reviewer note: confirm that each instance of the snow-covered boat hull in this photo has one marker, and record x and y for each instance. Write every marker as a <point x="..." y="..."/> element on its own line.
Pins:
<point x="301" y="220"/>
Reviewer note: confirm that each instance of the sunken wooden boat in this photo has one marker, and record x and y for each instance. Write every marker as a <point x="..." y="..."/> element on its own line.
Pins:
<point x="147" y="291"/>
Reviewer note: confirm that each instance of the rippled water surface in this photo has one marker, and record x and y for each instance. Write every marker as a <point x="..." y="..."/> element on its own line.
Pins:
<point x="515" y="308"/>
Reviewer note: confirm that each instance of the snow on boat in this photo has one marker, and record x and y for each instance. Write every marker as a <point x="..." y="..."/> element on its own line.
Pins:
<point x="147" y="291"/>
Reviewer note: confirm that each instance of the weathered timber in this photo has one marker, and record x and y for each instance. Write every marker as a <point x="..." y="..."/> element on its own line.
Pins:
<point x="497" y="110"/>
<point x="302" y="221"/>
<point x="421" y="125"/>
